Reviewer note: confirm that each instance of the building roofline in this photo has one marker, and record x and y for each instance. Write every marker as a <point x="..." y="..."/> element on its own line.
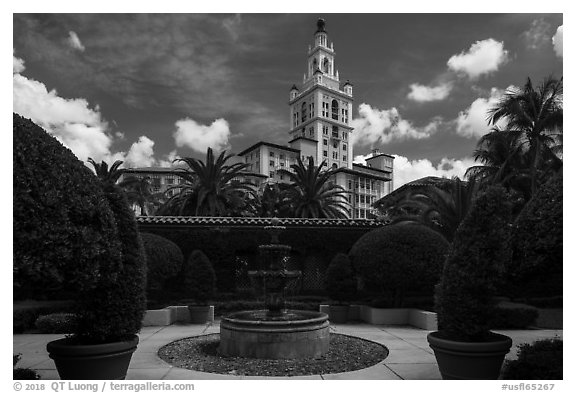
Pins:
<point x="381" y="154"/>
<point x="360" y="173"/>
<point x="338" y="92"/>
<point x="371" y="168"/>
<point x="260" y="143"/>
<point x="303" y="137"/>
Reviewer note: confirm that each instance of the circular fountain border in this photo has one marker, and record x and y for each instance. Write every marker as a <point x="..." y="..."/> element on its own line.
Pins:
<point x="200" y="353"/>
<point x="307" y="337"/>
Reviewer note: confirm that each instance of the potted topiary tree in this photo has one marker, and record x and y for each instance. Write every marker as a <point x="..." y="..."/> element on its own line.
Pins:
<point x="464" y="346"/>
<point x="341" y="286"/>
<point x="72" y="230"/>
<point x="199" y="282"/>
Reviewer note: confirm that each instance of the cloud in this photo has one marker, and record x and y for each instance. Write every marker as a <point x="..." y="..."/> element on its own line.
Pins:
<point x="17" y="65"/>
<point x="557" y="41"/>
<point x="473" y="121"/>
<point x="538" y="34"/>
<point x="168" y="159"/>
<point x="483" y="57"/>
<point x="74" y="41"/>
<point x="422" y="93"/>
<point x="141" y="153"/>
<point x="232" y="25"/>
<point x="199" y="137"/>
<point x="383" y="126"/>
<point x="406" y="171"/>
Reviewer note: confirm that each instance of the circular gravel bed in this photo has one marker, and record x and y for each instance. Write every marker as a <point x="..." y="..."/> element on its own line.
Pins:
<point x="200" y="353"/>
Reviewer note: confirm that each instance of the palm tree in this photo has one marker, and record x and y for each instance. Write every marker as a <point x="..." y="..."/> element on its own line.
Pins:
<point x="139" y="192"/>
<point x="441" y="210"/>
<point x="537" y="115"/>
<point x="107" y="176"/>
<point x="211" y="187"/>
<point x="312" y="194"/>
<point x="274" y="201"/>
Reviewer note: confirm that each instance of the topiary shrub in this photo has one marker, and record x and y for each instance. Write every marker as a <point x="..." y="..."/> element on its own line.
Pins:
<point x="63" y="228"/>
<point x="536" y="264"/>
<point x="164" y="260"/>
<point x="540" y="360"/>
<point x="340" y="281"/>
<point x="69" y="229"/>
<point x="199" y="277"/>
<point x="465" y="295"/>
<point x="114" y="309"/>
<point x="22" y="373"/>
<point x="56" y="323"/>
<point x="398" y="258"/>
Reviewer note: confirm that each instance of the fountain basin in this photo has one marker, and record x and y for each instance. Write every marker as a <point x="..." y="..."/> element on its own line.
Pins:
<point x="296" y="334"/>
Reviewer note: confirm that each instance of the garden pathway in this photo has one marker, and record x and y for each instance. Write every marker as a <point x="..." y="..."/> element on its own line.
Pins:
<point x="410" y="356"/>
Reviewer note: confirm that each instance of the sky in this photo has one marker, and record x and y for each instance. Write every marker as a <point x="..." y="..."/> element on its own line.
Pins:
<point x="147" y="88"/>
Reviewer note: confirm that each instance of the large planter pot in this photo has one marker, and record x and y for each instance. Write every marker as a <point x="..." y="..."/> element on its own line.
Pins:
<point x="338" y="314"/>
<point x="466" y="360"/>
<point x="199" y="314"/>
<point x="96" y="361"/>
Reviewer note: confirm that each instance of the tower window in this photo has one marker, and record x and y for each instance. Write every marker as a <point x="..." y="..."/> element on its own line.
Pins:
<point x="334" y="110"/>
<point x="271" y="163"/>
<point x="335" y="132"/>
<point x="311" y="132"/>
<point x="325" y="142"/>
<point x="303" y="112"/>
<point x="343" y="158"/>
<point x="326" y="66"/>
<point x="271" y="154"/>
<point x="344" y="147"/>
<point x="334" y="155"/>
<point x="325" y="153"/>
<point x="335" y="145"/>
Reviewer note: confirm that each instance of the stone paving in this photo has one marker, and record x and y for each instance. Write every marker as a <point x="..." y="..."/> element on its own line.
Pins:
<point x="410" y="356"/>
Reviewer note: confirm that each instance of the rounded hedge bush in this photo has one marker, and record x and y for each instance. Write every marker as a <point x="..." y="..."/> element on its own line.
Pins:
<point x="199" y="277"/>
<point x="465" y="300"/>
<point x="69" y="228"/>
<point x="340" y="280"/>
<point x="536" y="265"/>
<point x="398" y="258"/>
<point x="164" y="260"/>
<point x="540" y="360"/>
<point x="56" y="323"/>
<point x="64" y="229"/>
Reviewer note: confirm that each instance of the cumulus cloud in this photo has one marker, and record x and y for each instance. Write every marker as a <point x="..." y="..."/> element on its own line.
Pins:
<point x="483" y="57"/>
<point x="557" y="41"/>
<point x="422" y="93"/>
<point x="74" y="41"/>
<point x="538" y="34"/>
<point x="199" y="137"/>
<point x="383" y="126"/>
<point x="473" y="121"/>
<point x="17" y="65"/>
<point x="141" y="153"/>
<point x="168" y="159"/>
<point x="406" y="170"/>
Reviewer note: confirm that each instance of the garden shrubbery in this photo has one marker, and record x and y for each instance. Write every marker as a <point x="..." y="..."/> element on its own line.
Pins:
<point x="199" y="278"/>
<point x="64" y="230"/>
<point x="399" y="258"/>
<point x="513" y="318"/>
<point x="536" y="265"/>
<point x="72" y="230"/>
<point x="164" y="260"/>
<point x="56" y="323"/>
<point x="19" y="373"/>
<point x="540" y="360"/>
<point x="340" y="280"/>
<point x="465" y="299"/>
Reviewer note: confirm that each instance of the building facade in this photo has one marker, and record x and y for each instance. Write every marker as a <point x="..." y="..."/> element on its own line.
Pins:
<point x="320" y="127"/>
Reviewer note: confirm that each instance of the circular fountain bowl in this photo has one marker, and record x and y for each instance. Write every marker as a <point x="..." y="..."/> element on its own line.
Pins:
<point x="295" y="335"/>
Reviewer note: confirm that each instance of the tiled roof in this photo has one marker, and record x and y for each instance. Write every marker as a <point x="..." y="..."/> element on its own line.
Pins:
<point x="255" y="221"/>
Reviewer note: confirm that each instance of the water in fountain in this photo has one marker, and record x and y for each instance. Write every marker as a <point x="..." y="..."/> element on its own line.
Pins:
<point x="275" y="332"/>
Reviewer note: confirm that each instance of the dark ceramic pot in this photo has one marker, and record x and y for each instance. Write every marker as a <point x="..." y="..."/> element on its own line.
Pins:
<point x="470" y="360"/>
<point x="96" y="361"/>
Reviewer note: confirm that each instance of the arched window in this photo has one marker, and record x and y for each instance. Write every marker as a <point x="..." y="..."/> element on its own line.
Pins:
<point x="303" y="111"/>
<point x="314" y="65"/>
<point x="334" y="109"/>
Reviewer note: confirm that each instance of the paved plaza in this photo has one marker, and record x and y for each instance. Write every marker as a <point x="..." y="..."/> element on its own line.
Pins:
<point x="410" y="356"/>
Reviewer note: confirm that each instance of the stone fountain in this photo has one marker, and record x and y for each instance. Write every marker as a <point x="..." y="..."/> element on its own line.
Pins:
<point x="274" y="332"/>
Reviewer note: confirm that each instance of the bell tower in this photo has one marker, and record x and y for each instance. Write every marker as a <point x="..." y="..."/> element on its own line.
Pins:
<point x="321" y="111"/>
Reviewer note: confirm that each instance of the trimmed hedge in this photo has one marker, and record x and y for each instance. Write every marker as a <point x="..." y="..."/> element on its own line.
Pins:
<point x="164" y="261"/>
<point x="199" y="277"/>
<point x="56" y="323"/>
<point x="536" y="263"/>
<point x="393" y="260"/>
<point x="113" y="311"/>
<point x="64" y="230"/>
<point x="540" y="360"/>
<point x="465" y="299"/>
<point x="340" y="280"/>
